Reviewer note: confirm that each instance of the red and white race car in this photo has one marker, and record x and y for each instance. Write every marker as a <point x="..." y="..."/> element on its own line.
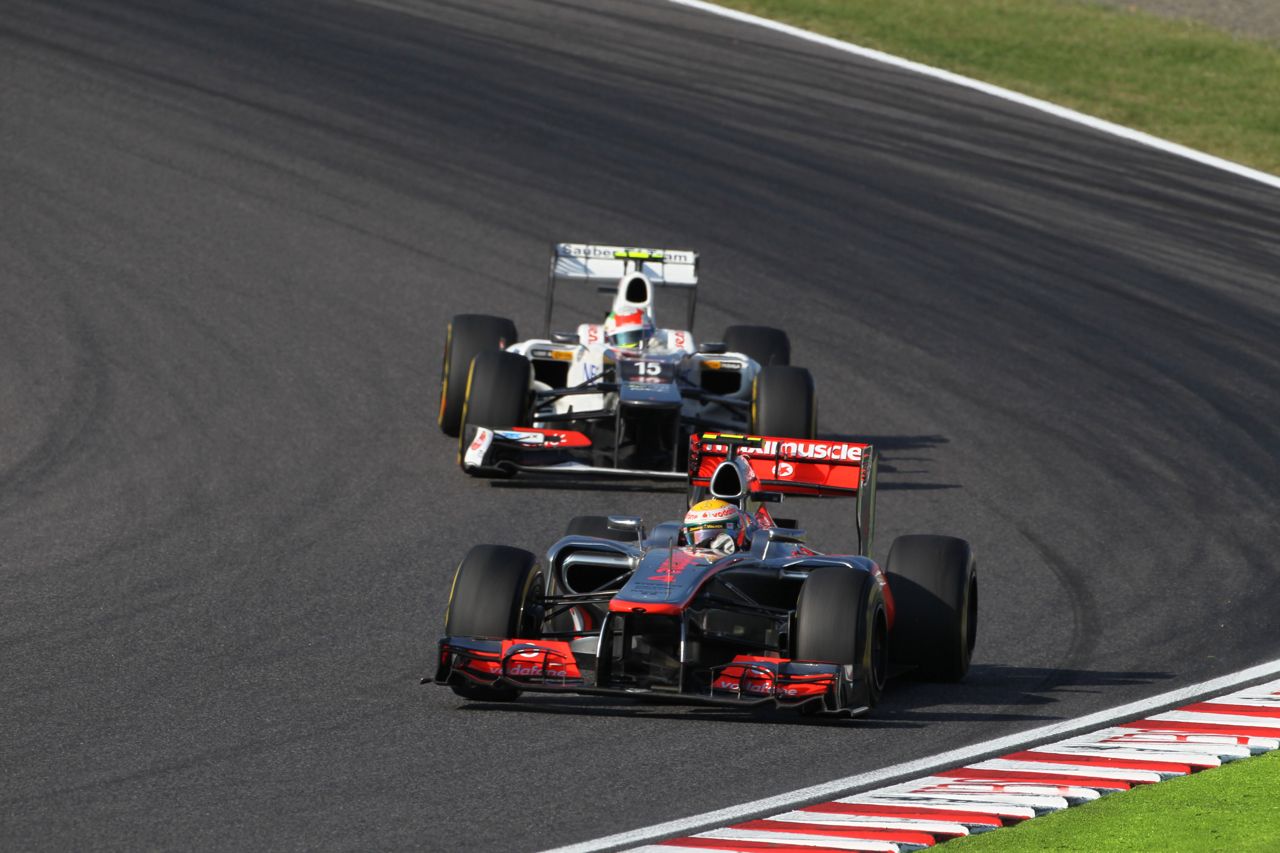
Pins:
<point x="743" y="619"/>
<point x="619" y="397"/>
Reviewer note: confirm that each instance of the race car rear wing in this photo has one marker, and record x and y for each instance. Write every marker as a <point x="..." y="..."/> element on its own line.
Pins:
<point x="793" y="466"/>
<point x="605" y="265"/>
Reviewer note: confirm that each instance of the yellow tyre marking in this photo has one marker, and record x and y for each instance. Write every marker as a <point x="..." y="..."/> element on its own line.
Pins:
<point x="753" y="427"/>
<point x="444" y="373"/>
<point x="453" y="586"/>
<point x="466" y="406"/>
<point x="534" y="574"/>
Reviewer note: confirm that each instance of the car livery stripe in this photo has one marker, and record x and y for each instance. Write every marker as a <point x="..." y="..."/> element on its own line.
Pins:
<point x="1034" y="780"/>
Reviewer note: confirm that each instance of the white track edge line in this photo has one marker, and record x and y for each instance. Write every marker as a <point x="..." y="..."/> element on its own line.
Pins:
<point x="919" y="767"/>
<point x="1049" y="107"/>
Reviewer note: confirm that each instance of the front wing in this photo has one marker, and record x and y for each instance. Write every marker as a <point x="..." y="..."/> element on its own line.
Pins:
<point x="504" y="452"/>
<point x="553" y="666"/>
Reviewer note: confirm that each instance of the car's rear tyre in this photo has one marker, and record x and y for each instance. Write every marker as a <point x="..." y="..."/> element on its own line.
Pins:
<point x="497" y="592"/>
<point x="598" y="526"/>
<point x="934" y="583"/>
<point x="836" y="622"/>
<point x="764" y="344"/>
<point x="467" y="336"/>
<point x="497" y="394"/>
<point x="784" y="403"/>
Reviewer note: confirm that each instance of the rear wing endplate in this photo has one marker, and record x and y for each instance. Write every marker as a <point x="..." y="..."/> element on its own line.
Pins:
<point x="603" y="266"/>
<point x="795" y="466"/>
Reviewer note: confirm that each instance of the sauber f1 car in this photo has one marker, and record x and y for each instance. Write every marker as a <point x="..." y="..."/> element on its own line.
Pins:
<point x="757" y="619"/>
<point x="618" y="398"/>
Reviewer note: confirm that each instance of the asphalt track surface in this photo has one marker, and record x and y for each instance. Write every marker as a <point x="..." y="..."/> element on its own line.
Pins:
<point x="232" y="234"/>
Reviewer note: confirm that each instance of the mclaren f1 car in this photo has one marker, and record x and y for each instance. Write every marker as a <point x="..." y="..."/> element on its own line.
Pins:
<point x="617" y="398"/>
<point x="754" y="616"/>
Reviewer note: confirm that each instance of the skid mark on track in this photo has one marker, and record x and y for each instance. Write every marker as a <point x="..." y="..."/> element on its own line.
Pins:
<point x="83" y="410"/>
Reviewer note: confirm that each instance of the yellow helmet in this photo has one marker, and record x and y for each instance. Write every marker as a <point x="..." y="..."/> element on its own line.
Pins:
<point x="707" y="519"/>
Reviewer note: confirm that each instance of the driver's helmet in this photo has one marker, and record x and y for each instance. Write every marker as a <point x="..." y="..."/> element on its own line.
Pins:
<point x="708" y="519"/>
<point x="628" y="330"/>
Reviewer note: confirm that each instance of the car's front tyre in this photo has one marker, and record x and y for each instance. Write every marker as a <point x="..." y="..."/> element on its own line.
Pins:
<point x="765" y="345"/>
<point x="497" y="592"/>
<point x="498" y="394"/>
<point x="840" y="618"/>
<point x="466" y="336"/>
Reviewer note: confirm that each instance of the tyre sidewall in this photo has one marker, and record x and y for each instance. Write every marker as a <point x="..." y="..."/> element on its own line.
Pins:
<point x="933" y="580"/>
<point x="466" y="336"/>
<point x="764" y="345"/>
<point x="784" y="403"/>
<point x="497" y="395"/>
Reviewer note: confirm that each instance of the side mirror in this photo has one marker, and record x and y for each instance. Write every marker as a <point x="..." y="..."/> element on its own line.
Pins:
<point x="627" y="523"/>
<point x="713" y="348"/>
<point x="564" y="337"/>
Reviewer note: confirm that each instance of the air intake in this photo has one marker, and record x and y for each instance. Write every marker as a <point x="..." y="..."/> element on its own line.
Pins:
<point x="729" y="481"/>
<point x="637" y="290"/>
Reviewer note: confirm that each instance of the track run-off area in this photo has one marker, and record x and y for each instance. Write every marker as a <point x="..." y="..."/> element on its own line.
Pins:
<point x="231" y="239"/>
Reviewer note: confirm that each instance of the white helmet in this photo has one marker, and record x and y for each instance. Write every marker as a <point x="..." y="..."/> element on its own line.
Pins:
<point x="628" y="330"/>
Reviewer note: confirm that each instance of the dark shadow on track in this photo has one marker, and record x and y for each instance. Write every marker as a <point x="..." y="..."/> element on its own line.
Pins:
<point x="896" y="450"/>
<point x="1005" y="686"/>
<point x="991" y="685"/>
<point x="585" y="707"/>
<point x="915" y="487"/>
<point x="1032" y="680"/>
<point x="890" y="444"/>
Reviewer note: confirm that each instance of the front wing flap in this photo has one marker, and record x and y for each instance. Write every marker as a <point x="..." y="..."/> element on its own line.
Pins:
<point x="504" y="452"/>
<point x="552" y="666"/>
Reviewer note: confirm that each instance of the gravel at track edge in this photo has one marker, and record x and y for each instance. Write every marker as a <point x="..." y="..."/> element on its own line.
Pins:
<point x="1255" y="19"/>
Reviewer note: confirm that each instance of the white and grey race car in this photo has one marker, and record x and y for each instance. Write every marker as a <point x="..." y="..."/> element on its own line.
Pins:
<point x="583" y="403"/>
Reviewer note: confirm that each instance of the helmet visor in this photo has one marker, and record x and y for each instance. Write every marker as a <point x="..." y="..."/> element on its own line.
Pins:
<point x="629" y="339"/>
<point x="702" y="534"/>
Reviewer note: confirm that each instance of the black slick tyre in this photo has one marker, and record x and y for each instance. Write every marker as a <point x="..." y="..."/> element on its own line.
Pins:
<point x="840" y="618"/>
<point x="497" y="394"/>
<point x="497" y="592"/>
<point x="934" y="583"/>
<point x="763" y="344"/>
<point x="784" y="403"/>
<point x="466" y="336"/>
<point x="598" y="526"/>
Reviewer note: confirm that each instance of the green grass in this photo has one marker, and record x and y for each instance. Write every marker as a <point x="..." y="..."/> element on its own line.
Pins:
<point x="1180" y="80"/>
<point x="1235" y="807"/>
